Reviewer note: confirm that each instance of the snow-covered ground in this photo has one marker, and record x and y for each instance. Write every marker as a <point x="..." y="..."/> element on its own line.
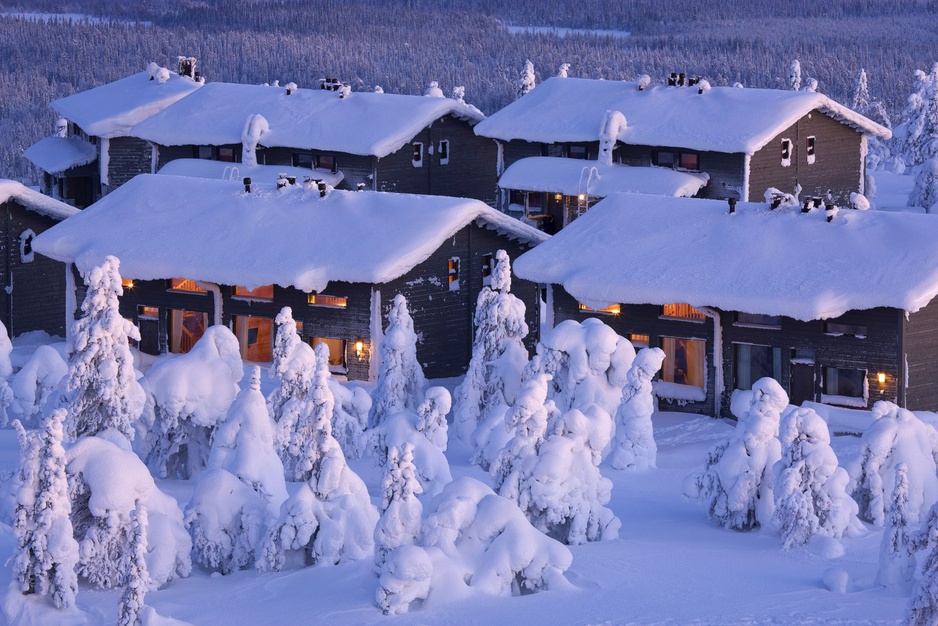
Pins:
<point x="670" y="565"/>
<point x="892" y="192"/>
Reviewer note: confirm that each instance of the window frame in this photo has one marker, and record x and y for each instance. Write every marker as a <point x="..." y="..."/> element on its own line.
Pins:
<point x="690" y="317"/>
<point x="341" y="367"/>
<point x="810" y="149"/>
<point x="417" y="156"/>
<point x="452" y="273"/>
<point x="443" y="151"/>
<point x="755" y="320"/>
<point x="786" y="153"/>
<point x="328" y="301"/>
<point x="777" y="363"/>
<point x="612" y="309"/>
<point x="488" y="267"/>
<point x="680" y="161"/>
<point x="570" y="148"/>
<point x="669" y="162"/>
<point x="856" y="401"/>
<point x="181" y="287"/>
<point x="252" y="294"/>
<point x="668" y="375"/>
<point x="326" y="162"/>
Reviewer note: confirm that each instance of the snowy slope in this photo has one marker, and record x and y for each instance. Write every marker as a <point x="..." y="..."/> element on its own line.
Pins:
<point x="643" y="249"/>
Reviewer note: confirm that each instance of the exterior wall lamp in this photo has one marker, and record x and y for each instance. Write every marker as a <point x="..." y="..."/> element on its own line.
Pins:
<point x="359" y="347"/>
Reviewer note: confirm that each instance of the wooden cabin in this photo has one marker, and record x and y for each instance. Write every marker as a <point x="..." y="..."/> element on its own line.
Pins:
<point x="336" y="259"/>
<point x="33" y="297"/>
<point x="839" y="311"/>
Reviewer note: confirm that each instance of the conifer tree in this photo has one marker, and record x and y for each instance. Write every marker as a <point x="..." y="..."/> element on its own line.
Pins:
<point x="634" y="446"/>
<point x="134" y="569"/>
<point x="400" y="509"/>
<point x="527" y="81"/>
<point x="313" y="423"/>
<point x="401" y="382"/>
<point x="897" y="550"/>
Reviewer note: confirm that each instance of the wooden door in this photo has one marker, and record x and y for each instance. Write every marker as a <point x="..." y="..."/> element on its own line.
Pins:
<point x="801" y="384"/>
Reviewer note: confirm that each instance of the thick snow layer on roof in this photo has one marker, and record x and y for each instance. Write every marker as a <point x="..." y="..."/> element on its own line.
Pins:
<point x="268" y="174"/>
<point x="34" y="201"/>
<point x="643" y="249"/>
<point x="112" y="109"/>
<point x="574" y="176"/>
<point x="172" y="226"/>
<point x="724" y="119"/>
<point x="57" y="154"/>
<point x="361" y="123"/>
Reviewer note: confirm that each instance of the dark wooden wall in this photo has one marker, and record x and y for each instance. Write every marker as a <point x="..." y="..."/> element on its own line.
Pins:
<point x="838" y="164"/>
<point x="726" y="170"/>
<point x="127" y="157"/>
<point x="354" y="167"/>
<point x="33" y="293"/>
<point x="920" y="345"/>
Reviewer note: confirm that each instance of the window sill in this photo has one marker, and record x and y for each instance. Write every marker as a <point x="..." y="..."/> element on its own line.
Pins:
<point x="250" y="299"/>
<point x="191" y="293"/>
<point x="848" y="401"/>
<point x="681" y="319"/>
<point x="677" y="391"/>
<point x="760" y="326"/>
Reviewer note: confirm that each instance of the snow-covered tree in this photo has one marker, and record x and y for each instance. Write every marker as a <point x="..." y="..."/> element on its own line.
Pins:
<point x="878" y="153"/>
<point x="736" y="482"/>
<point x="313" y="421"/>
<point x="498" y="354"/>
<point x="25" y="563"/>
<point x="564" y="69"/>
<point x="401" y="382"/>
<point x="101" y="378"/>
<point x="459" y="94"/>
<point x="794" y="75"/>
<point x="190" y="395"/>
<point x="897" y="550"/>
<point x="6" y="370"/>
<point x="925" y="192"/>
<point x="37" y="388"/>
<point x="401" y="511"/>
<point x="134" y="568"/>
<point x="810" y="488"/>
<point x="527" y="81"/>
<point x="255" y="126"/>
<point x="896" y="436"/>
<point x="290" y="365"/>
<point x="923" y="608"/>
<point x="916" y="137"/>
<point x="402" y="429"/>
<point x="405" y="578"/>
<point x="527" y="421"/>
<point x="635" y="447"/>
<point x="431" y="416"/>
<point x="350" y="417"/>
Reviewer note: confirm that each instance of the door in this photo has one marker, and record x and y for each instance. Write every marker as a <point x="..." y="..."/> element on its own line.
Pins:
<point x="801" y="386"/>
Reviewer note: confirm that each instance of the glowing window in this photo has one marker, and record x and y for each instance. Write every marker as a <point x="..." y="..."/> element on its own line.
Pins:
<point x="612" y="309"/>
<point x="321" y="299"/>
<point x="185" y="284"/>
<point x="683" y="311"/>
<point x="684" y="361"/>
<point x="265" y="292"/>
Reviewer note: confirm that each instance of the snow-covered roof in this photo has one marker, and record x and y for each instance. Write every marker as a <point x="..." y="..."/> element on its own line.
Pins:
<point x="34" y="201"/>
<point x="643" y="249"/>
<point x="723" y="119"/>
<point x="205" y="168"/>
<point x="111" y="110"/>
<point x="57" y="154"/>
<point x="170" y="226"/>
<point x="362" y="123"/>
<point x="574" y="176"/>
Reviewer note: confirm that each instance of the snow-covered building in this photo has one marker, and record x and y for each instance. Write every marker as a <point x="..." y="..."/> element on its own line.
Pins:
<point x="745" y="140"/>
<point x="835" y="305"/>
<point x="33" y="294"/>
<point x="93" y="150"/>
<point x="386" y="142"/>
<point x="196" y="252"/>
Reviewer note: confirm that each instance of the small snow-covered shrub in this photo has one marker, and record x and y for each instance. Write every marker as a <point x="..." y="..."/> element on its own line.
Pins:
<point x="102" y="384"/>
<point x="431" y="416"/>
<point x="736" y="482"/>
<point x="190" y="395"/>
<point x="401" y="382"/>
<point x="105" y="481"/>
<point x="897" y="550"/>
<point x="498" y="354"/>
<point x="634" y="447"/>
<point x="37" y="387"/>
<point x="350" y="417"/>
<point x="404" y="580"/>
<point x="810" y="488"/>
<point x="431" y="464"/>
<point x="896" y="436"/>
<point x="401" y="511"/>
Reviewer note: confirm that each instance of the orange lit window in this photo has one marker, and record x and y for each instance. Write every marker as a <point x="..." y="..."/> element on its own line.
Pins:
<point x="612" y="309"/>
<point x="336" y="350"/>
<point x="148" y="312"/>
<point x="261" y="293"/>
<point x="682" y="310"/>
<point x="127" y="283"/>
<point x="255" y="335"/>
<point x="185" y="284"/>
<point x="639" y="341"/>
<point x="320" y="299"/>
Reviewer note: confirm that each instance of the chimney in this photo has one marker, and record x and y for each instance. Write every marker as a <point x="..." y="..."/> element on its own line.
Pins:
<point x="776" y="201"/>
<point x="247" y="185"/>
<point x="732" y="203"/>
<point x="322" y="189"/>
<point x="817" y="203"/>
<point x="806" y="207"/>
<point x="309" y="183"/>
<point x="187" y="66"/>
<point x="361" y="186"/>
<point x="682" y="79"/>
<point x="693" y="80"/>
<point x="291" y="88"/>
<point x="831" y="211"/>
<point x="282" y="181"/>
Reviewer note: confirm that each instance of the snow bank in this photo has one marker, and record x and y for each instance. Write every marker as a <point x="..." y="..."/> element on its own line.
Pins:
<point x="37" y="387"/>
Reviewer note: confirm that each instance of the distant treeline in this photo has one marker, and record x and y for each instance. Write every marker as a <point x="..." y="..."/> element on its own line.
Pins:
<point x="404" y="45"/>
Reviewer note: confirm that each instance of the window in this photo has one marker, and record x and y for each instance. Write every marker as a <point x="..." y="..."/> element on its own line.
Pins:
<point x="148" y="312"/>
<point x="321" y="299"/>
<point x="204" y="152"/>
<point x="185" y="284"/>
<point x="444" y="152"/>
<point x="684" y="361"/>
<point x="639" y="341"/>
<point x="663" y="158"/>
<point x="254" y="337"/>
<point x="837" y="329"/>
<point x="516" y="198"/>
<point x="453" y="273"/>
<point x="577" y="152"/>
<point x="326" y="162"/>
<point x="226" y="154"/>
<point x="682" y="311"/>
<point x="612" y="309"/>
<point x="26" y="246"/>
<point x="488" y="264"/>
<point x="302" y="159"/>
<point x="417" y="159"/>
<point x="755" y="362"/>
<point x="127" y="283"/>
<point x="786" y="152"/>
<point x="261" y="293"/>
<point x="185" y="328"/>
<point x="762" y="321"/>
<point x="689" y="161"/>
<point x="809" y="148"/>
<point x="845" y="383"/>
<point x="535" y="202"/>
<point x="336" y="351"/>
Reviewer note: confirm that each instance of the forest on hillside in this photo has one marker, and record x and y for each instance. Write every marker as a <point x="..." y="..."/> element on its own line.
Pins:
<point x="403" y="45"/>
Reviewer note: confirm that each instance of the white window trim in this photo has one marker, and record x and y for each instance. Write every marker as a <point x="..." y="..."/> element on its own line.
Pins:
<point x="810" y="154"/>
<point x="444" y="160"/>
<point x="27" y="235"/>
<point x="787" y="162"/>
<point x="417" y="146"/>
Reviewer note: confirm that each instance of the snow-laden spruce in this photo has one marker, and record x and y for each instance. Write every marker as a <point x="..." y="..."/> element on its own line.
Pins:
<point x="313" y="421"/>
<point x="897" y="549"/>
<point x="736" y="482"/>
<point x="810" y="488"/>
<point x="405" y="579"/>
<point x="243" y="488"/>
<point x="134" y="568"/>
<point x="498" y="354"/>
<point x="401" y="382"/>
<point x="925" y="192"/>
<point x="915" y="139"/>
<point x="103" y="387"/>
<point x="923" y="608"/>
<point x="794" y="75"/>
<point x="330" y="518"/>
<point x="482" y="540"/>
<point x="634" y="447"/>
<point x="290" y="366"/>
<point x="105" y="481"/>
<point x="401" y="511"/>
<point x="189" y="395"/>
<point x="527" y="82"/>
<point x="37" y="388"/>
<point x="46" y="554"/>
<point x="896" y="436"/>
<point x="6" y="370"/>
<point x="431" y="416"/>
